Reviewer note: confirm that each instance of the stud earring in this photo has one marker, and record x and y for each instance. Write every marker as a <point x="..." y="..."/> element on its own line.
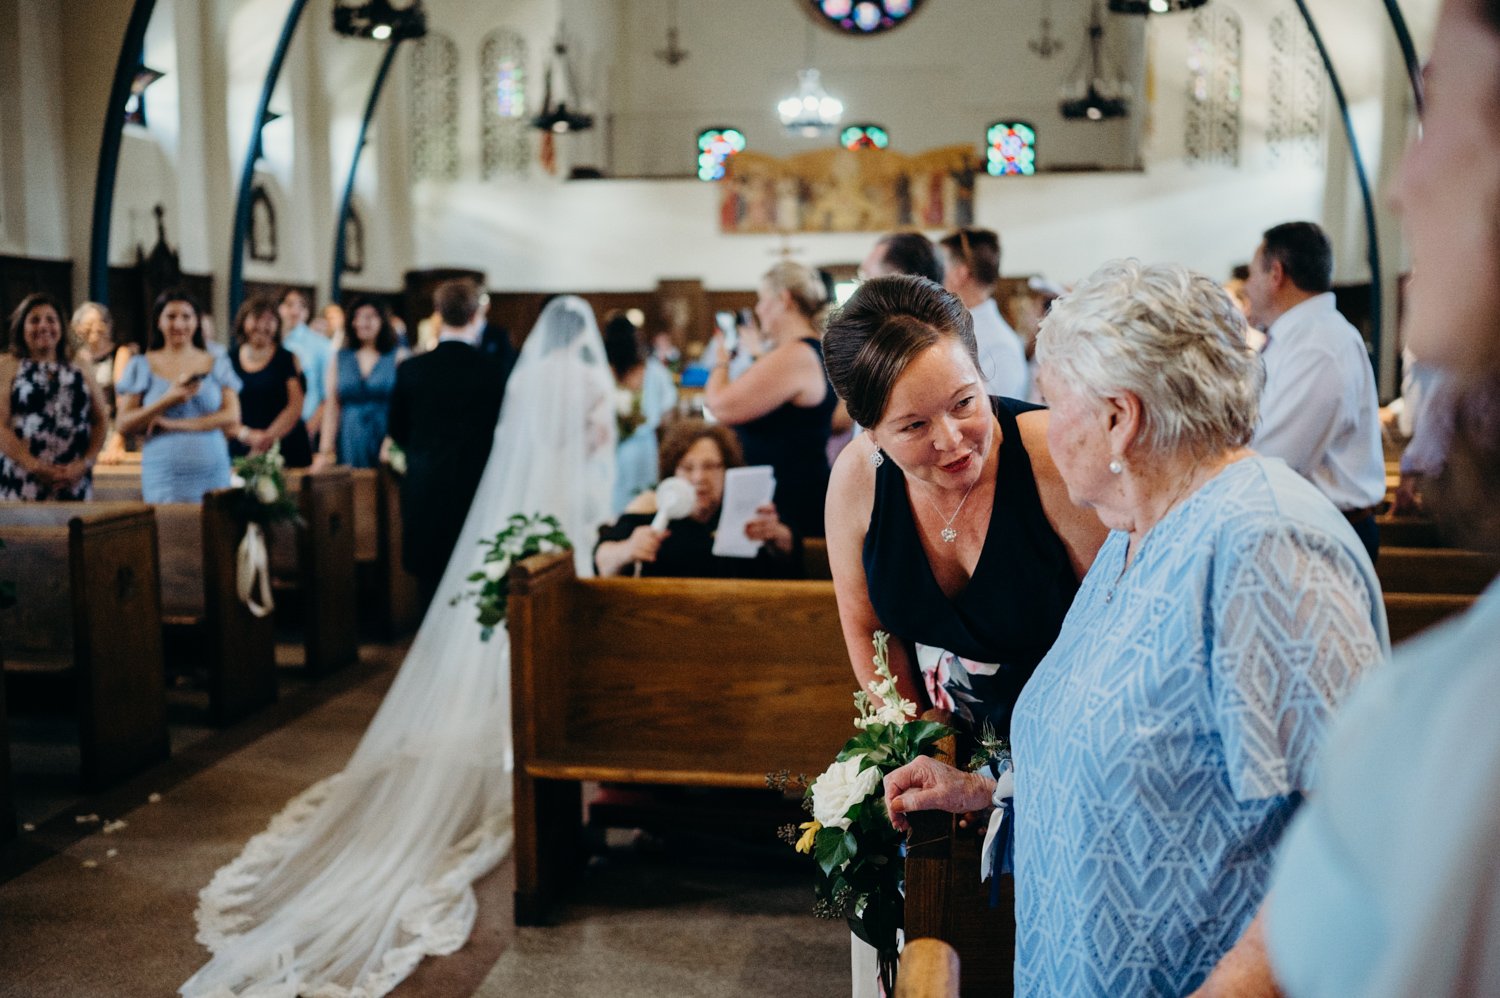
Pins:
<point x="1115" y="467"/>
<point x="876" y="458"/>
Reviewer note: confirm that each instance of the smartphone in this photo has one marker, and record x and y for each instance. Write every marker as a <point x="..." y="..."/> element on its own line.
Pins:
<point x="747" y="317"/>
<point x="194" y="380"/>
<point x="726" y="321"/>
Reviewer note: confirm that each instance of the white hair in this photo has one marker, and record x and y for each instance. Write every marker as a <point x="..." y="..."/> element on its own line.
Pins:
<point x="1170" y="337"/>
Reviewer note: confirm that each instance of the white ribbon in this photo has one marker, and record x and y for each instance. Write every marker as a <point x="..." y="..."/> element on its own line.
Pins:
<point x="253" y="571"/>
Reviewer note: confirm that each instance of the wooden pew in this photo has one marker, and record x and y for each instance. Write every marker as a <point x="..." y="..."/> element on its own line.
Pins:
<point x="89" y="613"/>
<point x="1435" y="570"/>
<point x="690" y="682"/>
<point x="197" y="546"/>
<point x="1408" y="532"/>
<point x="312" y="566"/>
<point x="815" y="559"/>
<point x="387" y="590"/>
<point x="7" y="791"/>
<point x="1411" y="613"/>
<point x="929" y="969"/>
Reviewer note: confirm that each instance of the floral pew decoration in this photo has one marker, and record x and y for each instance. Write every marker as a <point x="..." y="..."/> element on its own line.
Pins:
<point x="262" y="501"/>
<point x="522" y="537"/>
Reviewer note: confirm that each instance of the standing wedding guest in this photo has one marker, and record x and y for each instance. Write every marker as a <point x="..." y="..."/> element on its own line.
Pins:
<point x="1320" y="412"/>
<point x="699" y="453"/>
<point x="360" y="383"/>
<point x="971" y="266"/>
<point x="1388" y="883"/>
<point x="270" y="387"/>
<point x="1165" y="741"/>
<point x="313" y="352"/>
<point x="903" y="253"/>
<point x="644" y="394"/>
<point x="782" y="406"/>
<point x="182" y="398"/>
<point x="53" y="417"/>
<point x="334" y="319"/>
<point x="94" y="334"/>
<point x="948" y="526"/>
<point x="443" y="410"/>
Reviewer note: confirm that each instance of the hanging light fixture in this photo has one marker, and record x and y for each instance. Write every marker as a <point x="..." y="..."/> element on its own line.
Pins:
<point x="559" y="117"/>
<point x="810" y="112"/>
<point x="1143" y="7"/>
<point x="674" y="53"/>
<point x="380" y="20"/>
<point x="1093" y="97"/>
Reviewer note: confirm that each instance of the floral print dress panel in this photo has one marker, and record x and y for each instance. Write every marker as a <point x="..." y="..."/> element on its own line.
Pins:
<point x="52" y="412"/>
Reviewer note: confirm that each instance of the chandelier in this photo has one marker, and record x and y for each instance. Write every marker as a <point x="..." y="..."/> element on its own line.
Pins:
<point x="381" y="20"/>
<point x="1152" y="6"/>
<point x="810" y="112"/>
<point x="558" y="117"/>
<point x="1093" y="97"/>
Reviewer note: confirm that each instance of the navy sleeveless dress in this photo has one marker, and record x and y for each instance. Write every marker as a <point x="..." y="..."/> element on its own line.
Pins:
<point x="977" y="649"/>
<point x="793" y="440"/>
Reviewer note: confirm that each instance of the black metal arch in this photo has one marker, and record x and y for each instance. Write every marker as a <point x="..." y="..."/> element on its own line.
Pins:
<point x="109" y="148"/>
<point x="252" y="153"/>
<point x="1408" y="51"/>
<point x="339" y="249"/>
<point x="1361" y="174"/>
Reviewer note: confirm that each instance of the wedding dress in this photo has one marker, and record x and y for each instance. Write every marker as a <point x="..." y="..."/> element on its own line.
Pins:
<point x="371" y="869"/>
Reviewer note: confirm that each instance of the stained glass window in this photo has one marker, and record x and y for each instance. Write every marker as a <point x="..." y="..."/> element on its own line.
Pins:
<point x="715" y="146"/>
<point x="864" y="17"/>
<point x="1212" y="132"/>
<point x="434" y="108"/>
<point x="864" y="137"/>
<point x="1012" y="149"/>
<point x="1294" y="130"/>
<point x="502" y="76"/>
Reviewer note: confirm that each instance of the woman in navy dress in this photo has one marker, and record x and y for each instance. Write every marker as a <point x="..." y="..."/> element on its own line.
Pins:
<point x="782" y="406"/>
<point x="360" y="384"/>
<point x="182" y="397"/>
<point x="53" y="417"/>
<point x="271" y="390"/>
<point x="948" y="525"/>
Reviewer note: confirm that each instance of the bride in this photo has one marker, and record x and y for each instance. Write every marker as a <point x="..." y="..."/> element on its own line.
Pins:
<point x="371" y="869"/>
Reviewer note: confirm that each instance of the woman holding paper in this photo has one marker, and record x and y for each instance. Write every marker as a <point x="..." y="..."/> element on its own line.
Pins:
<point x="782" y="407"/>
<point x="700" y="454"/>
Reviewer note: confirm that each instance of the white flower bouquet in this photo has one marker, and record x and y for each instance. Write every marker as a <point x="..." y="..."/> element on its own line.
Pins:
<point x="861" y="863"/>
<point x="522" y="537"/>
<point x="261" y="479"/>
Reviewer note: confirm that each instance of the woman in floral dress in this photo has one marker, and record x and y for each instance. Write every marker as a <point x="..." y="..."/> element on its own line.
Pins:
<point x="53" y="419"/>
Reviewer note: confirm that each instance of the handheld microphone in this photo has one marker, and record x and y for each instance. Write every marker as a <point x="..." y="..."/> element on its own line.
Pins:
<point x="675" y="497"/>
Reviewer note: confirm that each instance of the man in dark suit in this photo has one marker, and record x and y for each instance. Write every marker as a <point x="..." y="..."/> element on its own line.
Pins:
<point x="443" y="413"/>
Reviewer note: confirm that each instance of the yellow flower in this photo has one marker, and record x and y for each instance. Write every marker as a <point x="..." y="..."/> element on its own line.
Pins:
<point x="809" y="833"/>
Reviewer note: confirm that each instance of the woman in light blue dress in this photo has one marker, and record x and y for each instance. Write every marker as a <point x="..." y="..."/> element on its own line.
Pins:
<point x="360" y="384"/>
<point x="645" y="393"/>
<point x="1165" y="741"/>
<point x="181" y="397"/>
<point x="1388" y="883"/>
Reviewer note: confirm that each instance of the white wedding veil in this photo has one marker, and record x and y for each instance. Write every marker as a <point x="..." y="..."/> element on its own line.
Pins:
<point x="371" y="869"/>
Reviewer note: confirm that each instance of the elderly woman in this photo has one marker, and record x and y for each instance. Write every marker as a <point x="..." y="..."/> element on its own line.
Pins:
<point x="700" y="453"/>
<point x="1165" y="741"/>
<point x="1388" y="883"/>
<point x="782" y="406"/>
<point x="94" y="333"/>
<point x="53" y="418"/>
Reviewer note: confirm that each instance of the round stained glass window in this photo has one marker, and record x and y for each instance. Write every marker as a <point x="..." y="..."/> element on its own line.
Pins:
<point x="864" y="17"/>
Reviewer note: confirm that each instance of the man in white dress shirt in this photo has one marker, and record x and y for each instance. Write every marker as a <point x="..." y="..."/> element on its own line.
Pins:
<point x="1319" y="411"/>
<point x="971" y="266"/>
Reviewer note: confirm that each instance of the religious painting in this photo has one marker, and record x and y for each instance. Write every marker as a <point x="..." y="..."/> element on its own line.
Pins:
<point x="849" y="190"/>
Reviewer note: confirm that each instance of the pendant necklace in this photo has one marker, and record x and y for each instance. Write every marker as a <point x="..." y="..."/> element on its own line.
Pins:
<point x="948" y="534"/>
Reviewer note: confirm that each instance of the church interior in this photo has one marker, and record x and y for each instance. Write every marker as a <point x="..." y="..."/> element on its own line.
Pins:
<point x="655" y="160"/>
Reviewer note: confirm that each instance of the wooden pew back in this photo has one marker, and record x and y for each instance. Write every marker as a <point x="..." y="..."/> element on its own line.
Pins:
<point x="89" y="603"/>
<point x="1435" y="570"/>
<point x="179" y="533"/>
<point x="685" y="681"/>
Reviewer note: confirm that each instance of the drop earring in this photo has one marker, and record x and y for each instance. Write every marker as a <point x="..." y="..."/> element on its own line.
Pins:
<point x="876" y="458"/>
<point x="1115" y="467"/>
